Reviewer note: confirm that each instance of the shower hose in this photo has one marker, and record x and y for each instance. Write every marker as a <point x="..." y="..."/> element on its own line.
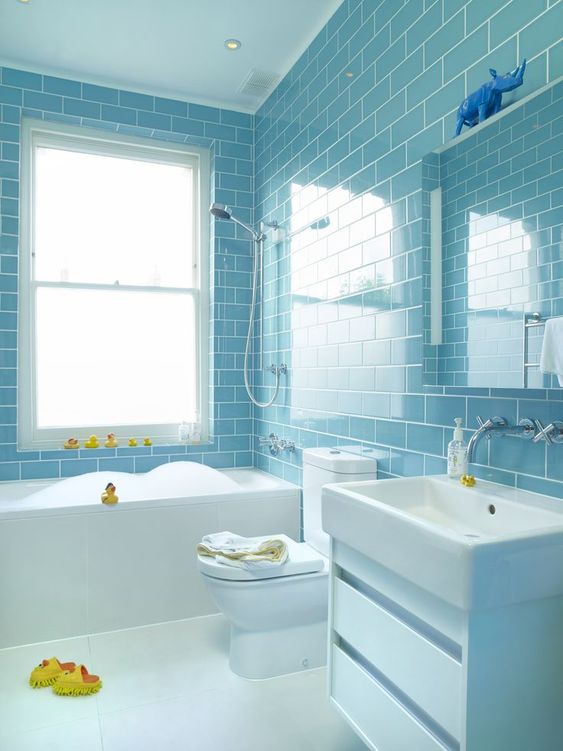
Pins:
<point x="258" y="250"/>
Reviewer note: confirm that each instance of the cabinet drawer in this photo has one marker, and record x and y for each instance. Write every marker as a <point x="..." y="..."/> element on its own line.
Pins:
<point x="381" y="720"/>
<point x="418" y="667"/>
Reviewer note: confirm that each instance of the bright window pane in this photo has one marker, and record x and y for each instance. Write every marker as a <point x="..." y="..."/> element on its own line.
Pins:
<point x="114" y="358"/>
<point x="102" y="219"/>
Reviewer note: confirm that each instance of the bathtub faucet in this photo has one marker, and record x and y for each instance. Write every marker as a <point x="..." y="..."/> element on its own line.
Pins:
<point x="276" y="444"/>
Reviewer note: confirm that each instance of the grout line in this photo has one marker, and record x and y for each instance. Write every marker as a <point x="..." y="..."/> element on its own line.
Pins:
<point x="100" y="727"/>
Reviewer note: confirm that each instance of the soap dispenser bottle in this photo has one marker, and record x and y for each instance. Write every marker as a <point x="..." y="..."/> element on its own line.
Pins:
<point x="457" y="452"/>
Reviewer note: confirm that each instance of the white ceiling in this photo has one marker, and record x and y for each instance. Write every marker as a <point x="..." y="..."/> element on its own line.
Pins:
<point x="172" y="48"/>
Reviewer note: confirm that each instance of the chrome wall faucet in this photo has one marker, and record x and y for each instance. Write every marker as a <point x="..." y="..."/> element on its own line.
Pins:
<point x="276" y="444"/>
<point x="498" y="427"/>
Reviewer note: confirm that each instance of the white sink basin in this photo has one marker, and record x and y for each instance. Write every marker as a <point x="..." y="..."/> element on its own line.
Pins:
<point x="478" y="547"/>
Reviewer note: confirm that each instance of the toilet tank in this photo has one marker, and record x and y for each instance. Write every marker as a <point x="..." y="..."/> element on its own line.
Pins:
<point x="321" y="466"/>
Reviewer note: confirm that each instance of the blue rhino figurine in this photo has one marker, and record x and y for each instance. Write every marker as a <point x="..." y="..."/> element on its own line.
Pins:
<point x="486" y="101"/>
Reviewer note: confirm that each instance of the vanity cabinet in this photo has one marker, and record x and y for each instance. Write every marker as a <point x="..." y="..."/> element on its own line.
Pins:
<point x="412" y="672"/>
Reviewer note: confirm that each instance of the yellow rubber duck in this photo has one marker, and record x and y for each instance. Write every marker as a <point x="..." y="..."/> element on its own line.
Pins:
<point x="132" y="441"/>
<point x="468" y="480"/>
<point x="72" y="443"/>
<point x="111" y="442"/>
<point x="108" y="496"/>
<point x="92" y="442"/>
<point x="147" y="442"/>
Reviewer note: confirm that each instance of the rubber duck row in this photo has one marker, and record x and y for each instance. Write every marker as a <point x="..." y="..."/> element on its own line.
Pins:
<point x="110" y="443"/>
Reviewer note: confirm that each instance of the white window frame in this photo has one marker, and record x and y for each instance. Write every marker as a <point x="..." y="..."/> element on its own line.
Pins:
<point x="88" y="140"/>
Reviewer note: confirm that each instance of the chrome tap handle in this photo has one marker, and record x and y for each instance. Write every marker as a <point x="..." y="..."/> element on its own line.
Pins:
<point x="552" y="434"/>
<point x="266" y="440"/>
<point x="542" y="434"/>
<point x="489" y="425"/>
<point x="556" y="431"/>
<point x="287" y="445"/>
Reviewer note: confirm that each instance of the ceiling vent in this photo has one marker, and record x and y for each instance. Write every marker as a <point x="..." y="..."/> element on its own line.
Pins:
<point x="258" y="83"/>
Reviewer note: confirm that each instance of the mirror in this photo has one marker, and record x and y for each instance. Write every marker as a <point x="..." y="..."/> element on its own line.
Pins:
<point x="493" y="247"/>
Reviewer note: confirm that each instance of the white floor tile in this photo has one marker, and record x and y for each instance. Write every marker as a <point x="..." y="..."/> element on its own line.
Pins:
<point x="83" y="735"/>
<point x="166" y="687"/>
<point x="210" y="719"/>
<point x="148" y="664"/>
<point x="305" y="700"/>
<point x="164" y="724"/>
<point x="22" y="708"/>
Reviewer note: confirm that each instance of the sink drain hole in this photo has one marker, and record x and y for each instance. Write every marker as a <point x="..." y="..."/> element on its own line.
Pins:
<point x="492" y="509"/>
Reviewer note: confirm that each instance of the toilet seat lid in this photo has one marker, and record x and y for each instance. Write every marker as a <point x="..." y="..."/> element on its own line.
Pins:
<point x="302" y="559"/>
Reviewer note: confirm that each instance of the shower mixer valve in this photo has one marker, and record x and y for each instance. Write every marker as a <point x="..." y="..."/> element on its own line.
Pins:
<point x="277" y="369"/>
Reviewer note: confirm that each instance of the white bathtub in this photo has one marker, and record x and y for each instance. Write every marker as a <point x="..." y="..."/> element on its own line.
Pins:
<point x="70" y="565"/>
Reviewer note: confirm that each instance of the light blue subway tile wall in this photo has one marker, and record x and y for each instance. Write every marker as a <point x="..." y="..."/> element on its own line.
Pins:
<point x="229" y="137"/>
<point x="502" y="216"/>
<point x="338" y="156"/>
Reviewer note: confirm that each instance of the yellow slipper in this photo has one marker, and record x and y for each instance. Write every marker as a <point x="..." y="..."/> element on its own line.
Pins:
<point x="77" y="682"/>
<point x="48" y="671"/>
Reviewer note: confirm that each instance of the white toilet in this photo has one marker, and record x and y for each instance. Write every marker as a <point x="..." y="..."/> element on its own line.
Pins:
<point x="278" y="616"/>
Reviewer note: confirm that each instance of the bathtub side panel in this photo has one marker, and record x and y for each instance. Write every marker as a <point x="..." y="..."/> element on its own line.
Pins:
<point x="142" y="566"/>
<point x="65" y="574"/>
<point x="43" y="579"/>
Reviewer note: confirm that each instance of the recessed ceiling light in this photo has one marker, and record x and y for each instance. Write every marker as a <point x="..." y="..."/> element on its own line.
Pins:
<point x="25" y="2"/>
<point x="232" y="44"/>
<point x="349" y="74"/>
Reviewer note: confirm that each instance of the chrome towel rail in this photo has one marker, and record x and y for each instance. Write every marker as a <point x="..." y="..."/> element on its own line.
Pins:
<point x="531" y="321"/>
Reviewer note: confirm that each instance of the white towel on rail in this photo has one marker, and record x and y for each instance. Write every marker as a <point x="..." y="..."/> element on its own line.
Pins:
<point x="552" y="348"/>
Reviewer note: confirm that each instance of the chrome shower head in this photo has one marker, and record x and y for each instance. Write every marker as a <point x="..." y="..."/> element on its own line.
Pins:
<point x="220" y="211"/>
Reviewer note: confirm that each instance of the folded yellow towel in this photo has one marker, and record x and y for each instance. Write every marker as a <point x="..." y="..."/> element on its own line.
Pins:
<point x="268" y="551"/>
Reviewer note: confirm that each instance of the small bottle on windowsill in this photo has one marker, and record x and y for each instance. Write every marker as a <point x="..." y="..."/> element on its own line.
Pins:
<point x="184" y="432"/>
<point x="195" y="436"/>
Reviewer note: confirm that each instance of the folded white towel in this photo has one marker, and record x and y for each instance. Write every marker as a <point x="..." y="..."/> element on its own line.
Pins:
<point x="227" y="541"/>
<point x="255" y="562"/>
<point x="552" y="348"/>
<point x="242" y="552"/>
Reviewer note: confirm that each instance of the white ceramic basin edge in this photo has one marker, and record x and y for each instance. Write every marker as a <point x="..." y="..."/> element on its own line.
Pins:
<point x="479" y="547"/>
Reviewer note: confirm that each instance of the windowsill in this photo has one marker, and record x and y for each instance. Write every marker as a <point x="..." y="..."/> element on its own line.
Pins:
<point x="83" y="450"/>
